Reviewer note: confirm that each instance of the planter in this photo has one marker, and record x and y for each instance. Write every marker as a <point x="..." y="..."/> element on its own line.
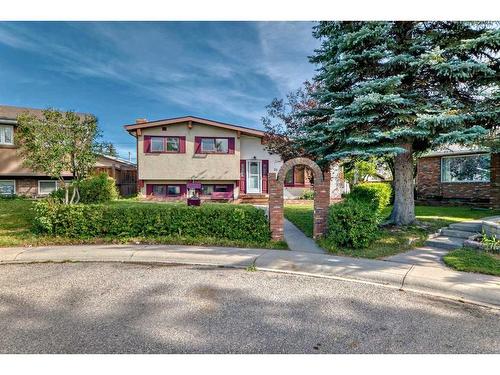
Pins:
<point x="194" y="201"/>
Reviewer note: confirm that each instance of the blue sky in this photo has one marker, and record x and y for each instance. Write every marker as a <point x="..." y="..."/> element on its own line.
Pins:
<point x="120" y="71"/>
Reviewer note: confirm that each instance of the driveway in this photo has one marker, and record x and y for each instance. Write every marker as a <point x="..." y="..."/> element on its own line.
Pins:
<point x="132" y="308"/>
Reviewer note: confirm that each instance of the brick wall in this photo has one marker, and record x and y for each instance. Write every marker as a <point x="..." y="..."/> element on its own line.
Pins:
<point x="430" y="189"/>
<point x="27" y="186"/>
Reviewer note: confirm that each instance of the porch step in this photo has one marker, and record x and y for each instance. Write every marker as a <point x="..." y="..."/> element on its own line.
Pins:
<point x="456" y="233"/>
<point x="470" y="226"/>
<point x="444" y="242"/>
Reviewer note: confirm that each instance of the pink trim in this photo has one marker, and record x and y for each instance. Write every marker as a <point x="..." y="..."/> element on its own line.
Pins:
<point x="231" y="146"/>
<point x="265" y="171"/>
<point x="149" y="189"/>
<point x="197" y="145"/>
<point x="147" y="144"/>
<point x="182" y="145"/>
<point x="243" y="182"/>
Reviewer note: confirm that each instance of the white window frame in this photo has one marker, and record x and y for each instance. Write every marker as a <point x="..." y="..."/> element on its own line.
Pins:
<point x="2" y="135"/>
<point x="40" y="190"/>
<point x="15" y="190"/>
<point x="462" y="182"/>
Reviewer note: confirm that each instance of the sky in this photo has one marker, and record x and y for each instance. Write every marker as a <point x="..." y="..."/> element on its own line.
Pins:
<point x="121" y="71"/>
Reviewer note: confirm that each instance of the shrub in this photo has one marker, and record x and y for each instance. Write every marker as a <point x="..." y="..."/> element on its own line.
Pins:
<point x="232" y="222"/>
<point x="352" y="223"/>
<point x="377" y="193"/>
<point x="95" y="189"/>
<point x="307" y="194"/>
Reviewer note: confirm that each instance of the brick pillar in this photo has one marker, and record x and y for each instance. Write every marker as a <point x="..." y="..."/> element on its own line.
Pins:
<point x="276" y="218"/>
<point x="321" y="204"/>
<point x="495" y="181"/>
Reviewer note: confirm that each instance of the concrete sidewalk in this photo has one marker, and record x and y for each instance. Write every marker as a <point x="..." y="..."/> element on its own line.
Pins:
<point x="438" y="281"/>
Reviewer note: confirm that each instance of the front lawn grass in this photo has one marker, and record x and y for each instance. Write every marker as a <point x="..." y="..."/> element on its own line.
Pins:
<point x="15" y="230"/>
<point x="391" y="240"/>
<point x="471" y="260"/>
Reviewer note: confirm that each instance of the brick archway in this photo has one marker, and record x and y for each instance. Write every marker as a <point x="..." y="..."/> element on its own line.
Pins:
<point x="321" y="197"/>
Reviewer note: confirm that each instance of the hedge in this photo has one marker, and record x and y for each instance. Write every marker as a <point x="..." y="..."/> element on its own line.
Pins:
<point x="377" y="193"/>
<point x="95" y="189"/>
<point x="231" y="222"/>
<point x="352" y="223"/>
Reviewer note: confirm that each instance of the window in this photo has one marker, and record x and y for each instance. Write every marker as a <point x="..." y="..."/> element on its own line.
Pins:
<point x="172" y="144"/>
<point x="7" y="187"/>
<point x="173" y="190"/>
<point x="221" y="188"/>
<point x="157" y="144"/>
<point x="46" y="187"/>
<point x="215" y="145"/>
<point x="166" y="144"/>
<point x="465" y="168"/>
<point x="207" y="189"/>
<point x="159" y="190"/>
<point x="289" y="177"/>
<point x="6" y="135"/>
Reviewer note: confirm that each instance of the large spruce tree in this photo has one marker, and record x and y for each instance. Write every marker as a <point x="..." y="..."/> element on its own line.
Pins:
<point x="401" y="88"/>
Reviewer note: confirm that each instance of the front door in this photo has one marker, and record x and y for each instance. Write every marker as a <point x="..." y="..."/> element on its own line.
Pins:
<point x="254" y="177"/>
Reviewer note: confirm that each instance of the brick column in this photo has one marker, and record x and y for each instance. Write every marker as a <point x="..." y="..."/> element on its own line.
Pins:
<point x="321" y="204"/>
<point x="495" y="181"/>
<point x="276" y="218"/>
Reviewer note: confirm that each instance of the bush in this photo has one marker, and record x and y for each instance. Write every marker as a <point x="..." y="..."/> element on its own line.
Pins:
<point x="377" y="193"/>
<point x="307" y="194"/>
<point x="95" y="189"/>
<point x="232" y="222"/>
<point x="352" y="223"/>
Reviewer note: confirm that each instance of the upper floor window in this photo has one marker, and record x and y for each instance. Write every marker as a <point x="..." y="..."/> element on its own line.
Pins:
<point x="6" y="135"/>
<point x="164" y="144"/>
<point x="214" y="145"/>
<point x="465" y="168"/>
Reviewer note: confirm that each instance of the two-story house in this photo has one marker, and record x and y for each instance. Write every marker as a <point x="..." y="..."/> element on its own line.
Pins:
<point x="15" y="178"/>
<point x="182" y="156"/>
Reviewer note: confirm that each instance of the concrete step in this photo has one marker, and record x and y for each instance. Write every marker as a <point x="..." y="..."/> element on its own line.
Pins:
<point x="474" y="227"/>
<point x="456" y="233"/>
<point x="444" y="242"/>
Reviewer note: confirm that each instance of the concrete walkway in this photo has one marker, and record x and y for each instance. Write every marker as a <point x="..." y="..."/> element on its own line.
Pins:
<point x="427" y="256"/>
<point x="438" y="281"/>
<point x="298" y="241"/>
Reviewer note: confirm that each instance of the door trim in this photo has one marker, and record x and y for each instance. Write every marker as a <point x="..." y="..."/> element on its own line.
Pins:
<point x="248" y="190"/>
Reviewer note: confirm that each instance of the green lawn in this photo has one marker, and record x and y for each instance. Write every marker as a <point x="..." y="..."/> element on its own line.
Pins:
<point x="15" y="230"/>
<point x="470" y="260"/>
<point x="392" y="240"/>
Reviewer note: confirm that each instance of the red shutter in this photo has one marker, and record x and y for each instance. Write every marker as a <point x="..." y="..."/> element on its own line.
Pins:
<point x="265" y="171"/>
<point x="231" y="146"/>
<point x="147" y="144"/>
<point x="182" y="145"/>
<point x="197" y="145"/>
<point x="149" y="189"/>
<point x="183" y="190"/>
<point x="243" y="185"/>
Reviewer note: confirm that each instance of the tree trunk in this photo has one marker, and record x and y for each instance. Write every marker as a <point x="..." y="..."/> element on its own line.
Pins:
<point x="403" y="212"/>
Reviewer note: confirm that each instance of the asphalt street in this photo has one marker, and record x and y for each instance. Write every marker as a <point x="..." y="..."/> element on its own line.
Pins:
<point x="135" y="308"/>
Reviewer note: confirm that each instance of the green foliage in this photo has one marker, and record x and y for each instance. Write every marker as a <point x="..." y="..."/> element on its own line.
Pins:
<point x="352" y="223"/>
<point x="307" y="195"/>
<point x="471" y="260"/>
<point x="95" y="189"/>
<point x="360" y="170"/>
<point x="231" y="222"/>
<point x="376" y="193"/>
<point x="491" y="243"/>
<point x="57" y="142"/>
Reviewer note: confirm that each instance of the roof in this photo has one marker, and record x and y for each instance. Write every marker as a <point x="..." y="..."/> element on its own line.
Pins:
<point x="8" y="113"/>
<point x="194" y="120"/>
<point x="118" y="160"/>
<point x="456" y="152"/>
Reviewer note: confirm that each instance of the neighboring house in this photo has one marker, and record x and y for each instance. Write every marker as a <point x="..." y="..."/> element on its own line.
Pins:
<point x="17" y="179"/>
<point x="459" y="176"/>
<point x="179" y="157"/>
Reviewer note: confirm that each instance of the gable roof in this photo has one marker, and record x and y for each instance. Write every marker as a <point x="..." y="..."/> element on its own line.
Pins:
<point x="9" y="113"/>
<point x="194" y="120"/>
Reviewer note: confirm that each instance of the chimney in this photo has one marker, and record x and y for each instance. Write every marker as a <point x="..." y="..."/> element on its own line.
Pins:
<point x="141" y="120"/>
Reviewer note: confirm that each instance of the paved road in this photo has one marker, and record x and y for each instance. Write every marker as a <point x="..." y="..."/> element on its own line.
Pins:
<point x="132" y="308"/>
